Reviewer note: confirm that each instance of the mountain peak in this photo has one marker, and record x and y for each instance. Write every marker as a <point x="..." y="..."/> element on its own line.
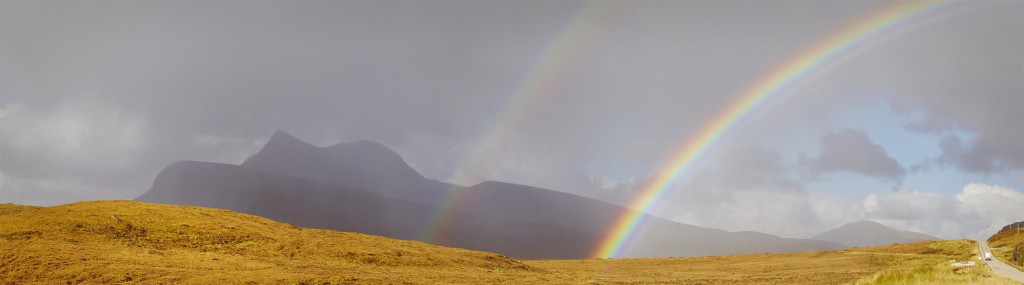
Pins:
<point x="373" y="155"/>
<point x="282" y="138"/>
<point x="870" y="233"/>
<point x="866" y="223"/>
<point x="359" y="164"/>
<point x="278" y="147"/>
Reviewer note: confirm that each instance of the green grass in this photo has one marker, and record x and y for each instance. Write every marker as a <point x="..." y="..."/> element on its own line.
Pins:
<point x="932" y="264"/>
<point x="939" y="274"/>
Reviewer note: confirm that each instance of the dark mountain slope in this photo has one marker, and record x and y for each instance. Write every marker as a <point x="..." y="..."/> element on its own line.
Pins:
<point x="326" y="206"/>
<point x="365" y="187"/>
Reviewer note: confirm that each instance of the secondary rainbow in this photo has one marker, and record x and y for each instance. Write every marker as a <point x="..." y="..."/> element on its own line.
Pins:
<point x="779" y="80"/>
<point x="550" y="63"/>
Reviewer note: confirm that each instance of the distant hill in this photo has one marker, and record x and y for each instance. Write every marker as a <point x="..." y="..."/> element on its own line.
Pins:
<point x="868" y="233"/>
<point x="1013" y="226"/>
<point x="365" y="187"/>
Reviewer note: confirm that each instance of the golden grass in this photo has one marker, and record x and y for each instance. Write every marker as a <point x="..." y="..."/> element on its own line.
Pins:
<point x="14" y="208"/>
<point x="133" y="242"/>
<point x="1005" y="243"/>
<point x="914" y="263"/>
<point x="124" y="241"/>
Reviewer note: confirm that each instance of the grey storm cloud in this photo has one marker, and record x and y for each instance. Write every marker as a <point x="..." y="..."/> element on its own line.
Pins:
<point x="972" y="157"/>
<point x="849" y="150"/>
<point x="96" y="97"/>
<point x="968" y="93"/>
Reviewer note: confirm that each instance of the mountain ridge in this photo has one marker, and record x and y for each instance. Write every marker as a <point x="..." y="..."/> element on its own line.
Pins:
<point x="1014" y="225"/>
<point x="365" y="187"/>
<point x="870" y="233"/>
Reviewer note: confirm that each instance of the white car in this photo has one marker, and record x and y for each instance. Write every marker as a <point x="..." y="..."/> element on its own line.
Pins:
<point x="988" y="256"/>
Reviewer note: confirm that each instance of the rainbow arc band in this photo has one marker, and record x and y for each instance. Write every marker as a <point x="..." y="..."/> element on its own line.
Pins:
<point x="551" y="61"/>
<point x="783" y="79"/>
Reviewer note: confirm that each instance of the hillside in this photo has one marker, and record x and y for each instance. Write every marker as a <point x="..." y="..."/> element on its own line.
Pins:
<point x="1013" y="226"/>
<point x="133" y="242"/>
<point x="1007" y="242"/>
<point x="365" y="187"/>
<point x="868" y="233"/>
<point x="120" y="241"/>
<point x="927" y="262"/>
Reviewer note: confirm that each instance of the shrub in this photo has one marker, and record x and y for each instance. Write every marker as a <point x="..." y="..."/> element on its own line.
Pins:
<point x="1018" y="254"/>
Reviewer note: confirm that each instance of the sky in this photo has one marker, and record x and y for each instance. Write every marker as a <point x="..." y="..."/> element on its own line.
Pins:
<point x="922" y="131"/>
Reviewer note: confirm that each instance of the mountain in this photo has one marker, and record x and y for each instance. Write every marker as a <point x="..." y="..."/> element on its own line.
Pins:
<point x="328" y="206"/>
<point x="361" y="165"/>
<point x="365" y="187"/>
<point x="867" y="233"/>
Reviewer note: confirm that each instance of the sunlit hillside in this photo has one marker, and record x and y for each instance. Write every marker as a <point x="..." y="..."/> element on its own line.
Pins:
<point x="928" y="262"/>
<point x="124" y="241"/>
<point x="121" y="241"/>
<point x="1005" y="243"/>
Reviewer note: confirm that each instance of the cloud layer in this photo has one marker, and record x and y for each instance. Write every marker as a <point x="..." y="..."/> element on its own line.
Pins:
<point x="97" y="97"/>
<point x="978" y="211"/>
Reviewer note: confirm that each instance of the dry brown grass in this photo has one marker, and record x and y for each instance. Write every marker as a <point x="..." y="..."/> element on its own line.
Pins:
<point x="132" y="242"/>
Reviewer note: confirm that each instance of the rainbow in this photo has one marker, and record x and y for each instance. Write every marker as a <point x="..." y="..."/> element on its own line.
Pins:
<point x="782" y="79"/>
<point x="551" y="62"/>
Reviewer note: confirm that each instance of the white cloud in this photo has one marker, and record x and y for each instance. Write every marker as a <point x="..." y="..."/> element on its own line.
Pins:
<point x="751" y="189"/>
<point x="78" y="150"/>
<point x="977" y="212"/>
<point x="787" y="214"/>
<point x="997" y="204"/>
<point x="76" y="135"/>
<point x="61" y="190"/>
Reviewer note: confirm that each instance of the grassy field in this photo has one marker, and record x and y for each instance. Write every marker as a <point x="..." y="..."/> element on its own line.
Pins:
<point x="914" y="263"/>
<point x="1003" y="245"/>
<point x="140" y="243"/>
<point x="132" y="242"/>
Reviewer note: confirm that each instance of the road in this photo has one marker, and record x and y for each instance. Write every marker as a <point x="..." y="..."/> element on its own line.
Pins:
<point x="998" y="266"/>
